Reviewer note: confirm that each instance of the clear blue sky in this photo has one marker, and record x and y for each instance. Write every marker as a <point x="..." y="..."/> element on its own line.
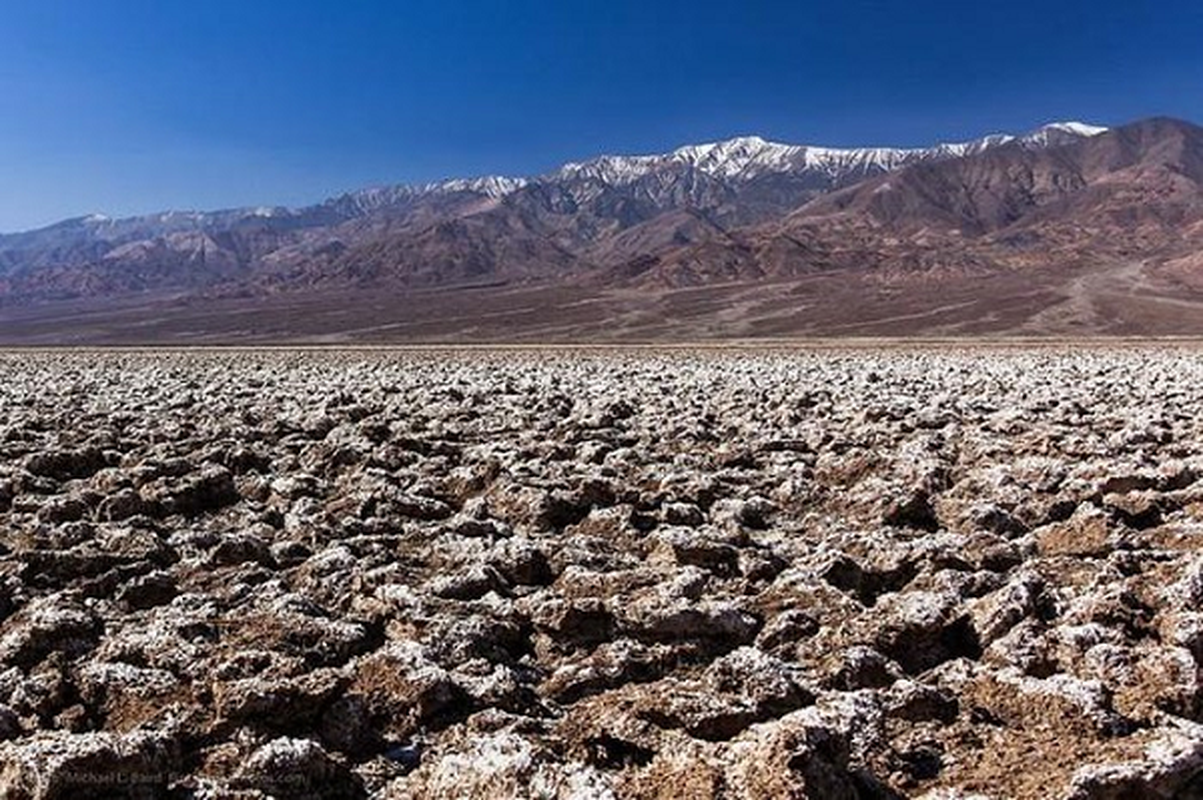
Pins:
<point x="129" y="106"/>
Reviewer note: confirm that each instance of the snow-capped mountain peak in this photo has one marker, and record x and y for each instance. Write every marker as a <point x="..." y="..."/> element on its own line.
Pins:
<point x="1078" y="128"/>
<point x="737" y="156"/>
<point x="490" y="185"/>
<point x="1056" y="133"/>
<point x="365" y="201"/>
<point x="747" y="157"/>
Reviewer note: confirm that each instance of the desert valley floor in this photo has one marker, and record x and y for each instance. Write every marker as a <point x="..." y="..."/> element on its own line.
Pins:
<point x="841" y="572"/>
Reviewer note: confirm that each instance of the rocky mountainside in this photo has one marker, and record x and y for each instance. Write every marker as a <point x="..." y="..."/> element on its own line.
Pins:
<point x="613" y="211"/>
<point x="1133" y="193"/>
<point x="603" y="212"/>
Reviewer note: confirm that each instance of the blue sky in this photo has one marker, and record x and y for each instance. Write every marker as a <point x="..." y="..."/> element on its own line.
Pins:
<point x="130" y="106"/>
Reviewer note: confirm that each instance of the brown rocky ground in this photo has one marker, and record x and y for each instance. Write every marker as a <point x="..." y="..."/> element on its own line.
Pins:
<point x="1117" y="300"/>
<point x="939" y="572"/>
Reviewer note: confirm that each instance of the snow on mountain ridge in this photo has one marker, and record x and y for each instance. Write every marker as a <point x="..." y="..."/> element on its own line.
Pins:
<point x="750" y="156"/>
<point x="491" y="185"/>
<point x="365" y="201"/>
<point x="1079" y="128"/>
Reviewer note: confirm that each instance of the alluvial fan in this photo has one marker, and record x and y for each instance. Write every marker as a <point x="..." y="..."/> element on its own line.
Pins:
<point x="930" y="572"/>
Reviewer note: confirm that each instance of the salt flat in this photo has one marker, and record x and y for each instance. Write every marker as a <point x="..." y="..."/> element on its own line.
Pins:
<point x="869" y="571"/>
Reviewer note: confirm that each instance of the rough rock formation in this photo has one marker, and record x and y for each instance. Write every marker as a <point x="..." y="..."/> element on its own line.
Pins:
<point x="731" y="574"/>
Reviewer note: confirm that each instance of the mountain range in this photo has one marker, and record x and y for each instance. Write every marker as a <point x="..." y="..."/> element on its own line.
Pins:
<point x="1070" y="229"/>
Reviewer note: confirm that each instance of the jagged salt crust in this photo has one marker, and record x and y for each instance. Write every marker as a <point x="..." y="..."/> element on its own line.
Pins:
<point x="933" y="572"/>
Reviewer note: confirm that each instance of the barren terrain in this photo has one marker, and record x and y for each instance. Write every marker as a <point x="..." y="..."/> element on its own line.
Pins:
<point x="1132" y="299"/>
<point x="841" y="572"/>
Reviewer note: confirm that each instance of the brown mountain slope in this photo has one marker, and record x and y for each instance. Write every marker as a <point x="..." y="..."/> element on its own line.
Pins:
<point x="1132" y="193"/>
<point x="615" y="213"/>
<point x="482" y="248"/>
<point x="1011" y="186"/>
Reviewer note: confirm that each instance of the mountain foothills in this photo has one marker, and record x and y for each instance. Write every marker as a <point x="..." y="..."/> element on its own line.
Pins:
<point x="1068" y="230"/>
